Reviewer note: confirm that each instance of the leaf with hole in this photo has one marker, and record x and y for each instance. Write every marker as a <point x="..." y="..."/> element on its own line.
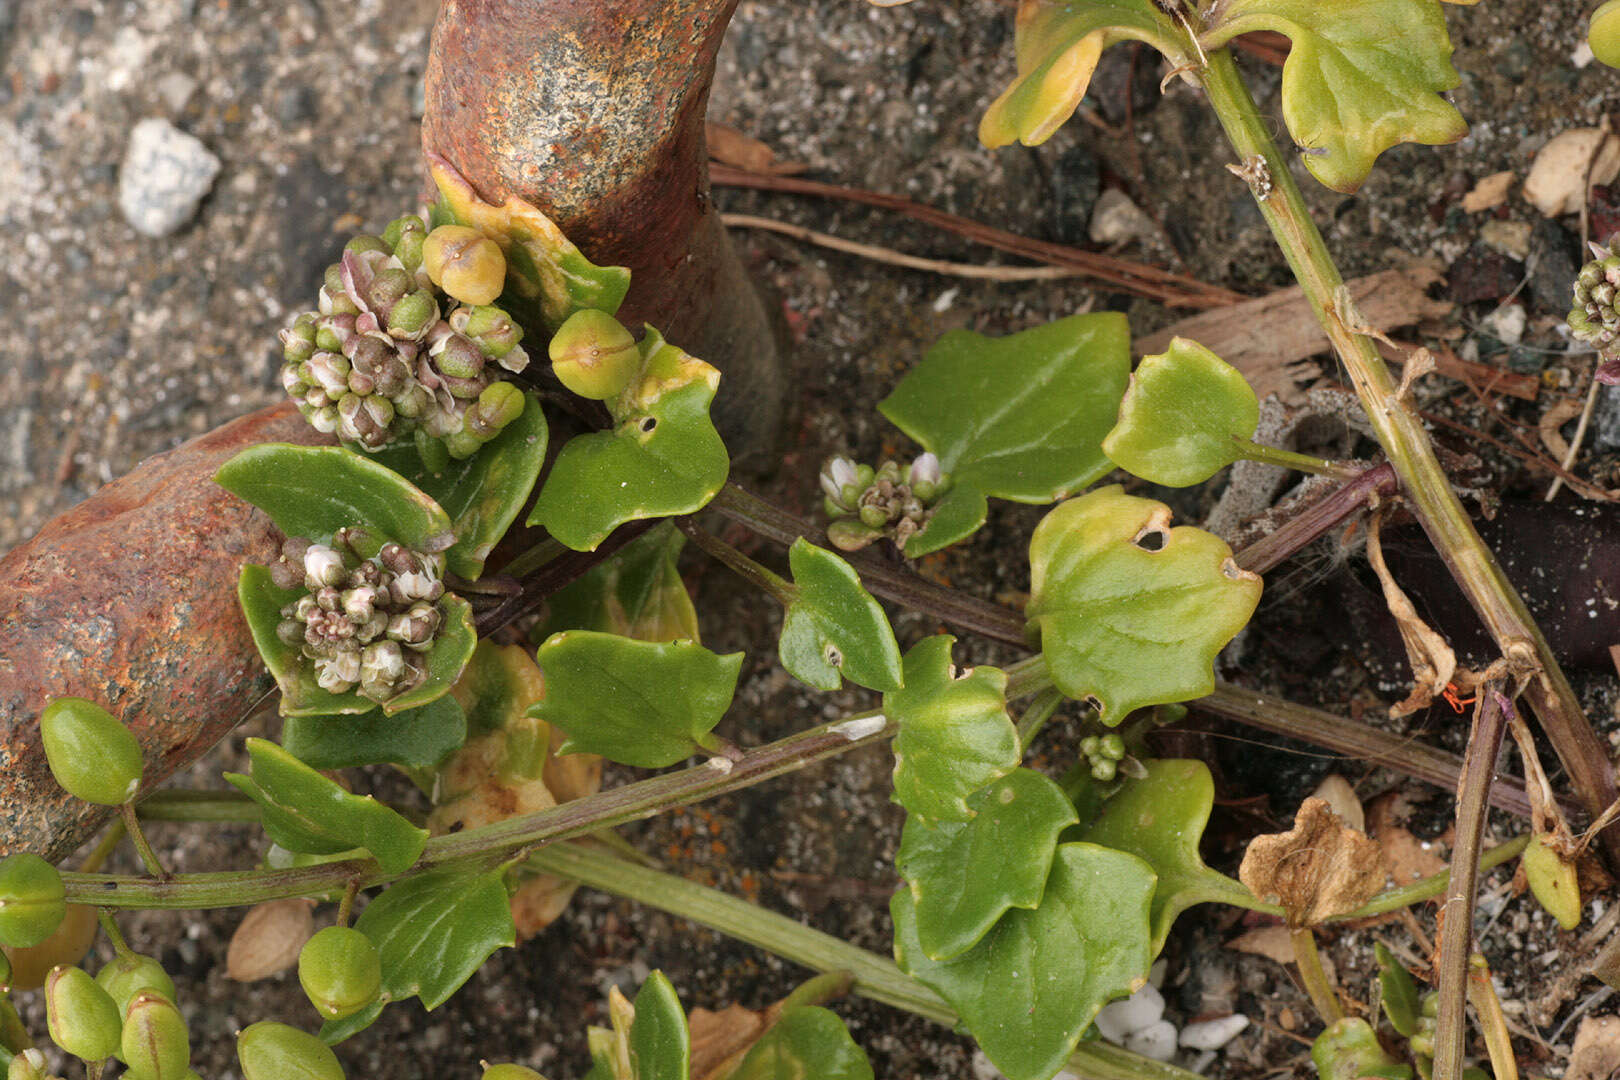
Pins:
<point x="484" y="493"/>
<point x="1160" y="819"/>
<point x="955" y="735"/>
<point x="834" y="629"/>
<point x="1033" y="984"/>
<point x="1185" y="417"/>
<point x="637" y="593"/>
<point x="806" y="1041"/>
<point x="1130" y="611"/>
<point x="634" y="702"/>
<point x="547" y="276"/>
<point x="1019" y="417"/>
<point x="304" y="811"/>
<point x="417" y="738"/>
<point x="313" y="491"/>
<point x="661" y="458"/>
<point x="964" y="875"/>
<point x="1362" y="75"/>
<point x="262" y="601"/>
<point x="434" y="930"/>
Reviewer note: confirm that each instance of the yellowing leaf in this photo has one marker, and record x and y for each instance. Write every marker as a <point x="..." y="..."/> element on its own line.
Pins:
<point x="1362" y="76"/>
<point x="1059" y="42"/>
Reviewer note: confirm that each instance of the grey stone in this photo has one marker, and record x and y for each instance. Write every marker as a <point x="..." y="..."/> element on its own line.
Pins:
<point x="165" y="175"/>
<point x="1606" y="420"/>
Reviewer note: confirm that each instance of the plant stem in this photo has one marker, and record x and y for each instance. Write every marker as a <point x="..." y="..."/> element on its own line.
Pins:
<point x="491" y="843"/>
<point x="1036" y="715"/>
<point x="1288" y="459"/>
<point x="346" y="905"/>
<point x="1400" y="432"/>
<point x="1433" y="885"/>
<point x="1316" y="519"/>
<point x="1457" y="911"/>
<point x="1313" y="975"/>
<point x="154" y="865"/>
<point x="1488" y="1008"/>
<point x="750" y="571"/>
<point x="178" y="805"/>
<point x="1345" y="736"/>
<point x="109" y="924"/>
<point x="527" y="562"/>
<point x="556" y="573"/>
<point x="875" y="977"/>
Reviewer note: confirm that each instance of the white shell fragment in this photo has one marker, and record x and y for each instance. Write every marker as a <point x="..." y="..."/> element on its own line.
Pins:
<point x="1157" y="1041"/>
<point x="165" y="175"/>
<point x="1213" y="1034"/>
<point x="1118" y="1020"/>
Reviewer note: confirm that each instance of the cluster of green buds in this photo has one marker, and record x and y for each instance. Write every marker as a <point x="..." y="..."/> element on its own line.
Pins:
<point x="405" y="341"/>
<point x="127" y="1011"/>
<point x="369" y="614"/>
<point x="1595" y="317"/>
<point x="1104" y="752"/>
<point x="866" y="504"/>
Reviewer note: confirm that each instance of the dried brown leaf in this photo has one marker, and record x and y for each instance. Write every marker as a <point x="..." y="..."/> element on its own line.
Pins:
<point x="721" y="1039"/>
<point x="1319" y="868"/>
<point x="1407" y="858"/>
<point x="1432" y="660"/>
<point x="728" y="145"/>
<point x="1596" y="1054"/>
<point x="1489" y="193"/>
<point x="269" y="939"/>
<point x="1275" y="943"/>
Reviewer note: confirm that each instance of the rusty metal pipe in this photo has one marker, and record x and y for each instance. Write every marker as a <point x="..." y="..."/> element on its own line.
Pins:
<point x="129" y="599"/>
<point x="593" y="111"/>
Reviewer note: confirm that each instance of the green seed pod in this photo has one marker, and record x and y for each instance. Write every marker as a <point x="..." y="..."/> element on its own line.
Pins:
<point x="68" y="944"/>
<point x="31" y="900"/>
<point x="1104" y="769"/>
<point x="1603" y="33"/>
<point x="332" y="280"/>
<point x="462" y="445"/>
<point x="388" y="287"/>
<point x="272" y="1051"/>
<point x="499" y="405"/>
<point x="848" y="534"/>
<point x="490" y="328"/>
<point x="28" y="1065"/>
<point x="1112" y="746"/>
<point x="464" y="263"/>
<point x="155" y="1042"/>
<point x="874" y="517"/>
<point x="594" y="355"/>
<point x="366" y="242"/>
<point x="401" y="227"/>
<point x="339" y="969"/>
<point x="125" y="976"/>
<point x="91" y="754"/>
<point x="409" y="251"/>
<point x="82" y="1016"/>
<point x="414" y="315"/>
<point x="510" y="1072"/>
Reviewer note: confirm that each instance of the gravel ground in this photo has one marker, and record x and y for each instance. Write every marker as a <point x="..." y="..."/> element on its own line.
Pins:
<point x="120" y="344"/>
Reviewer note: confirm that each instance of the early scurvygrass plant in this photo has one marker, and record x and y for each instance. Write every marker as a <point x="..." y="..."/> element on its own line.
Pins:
<point x="1027" y="903"/>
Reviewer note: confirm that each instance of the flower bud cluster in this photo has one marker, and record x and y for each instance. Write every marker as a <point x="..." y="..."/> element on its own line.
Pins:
<point x="1104" y="753"/>
<point x="866" y="504"/>
<point x="387" y="353"/>
<point x="369" y="615"/>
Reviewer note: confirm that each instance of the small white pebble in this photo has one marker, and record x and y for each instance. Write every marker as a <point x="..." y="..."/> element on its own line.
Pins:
<point x="1213" y="1034"/>
<point x="1157" y="1041"/>
<point x="1120" y="1019"/>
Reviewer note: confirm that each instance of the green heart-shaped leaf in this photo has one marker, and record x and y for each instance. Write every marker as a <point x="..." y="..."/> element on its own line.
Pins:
<point x="1124" y="624"/>
<point x="1032" y="985"/>
<point x="834" y="627"/>
<point x="638" y="593"/>
<point x="483" y="493"/>
<point x="304" y="811"/>
<point x="1362" y="76"/>
<point x="662" y="458"/>
<point x="1182" y="417"/>
<point x="1058" y="43"/>
<point x="965" y="875"/>
<point x="1160" y="819"/>
<point x="660" y="1043"/>
<point x="955" y="735"/>
<point x="634" y="702"/>
<point x="806" y="1041"/>
<point x="416" y="738"/>
<point x="301" y="695"/>
<point x="1019" y="417"/>
<point x="314" y="491"/>
<point x="547" y="276"/>
<point x="434" y="930"/>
